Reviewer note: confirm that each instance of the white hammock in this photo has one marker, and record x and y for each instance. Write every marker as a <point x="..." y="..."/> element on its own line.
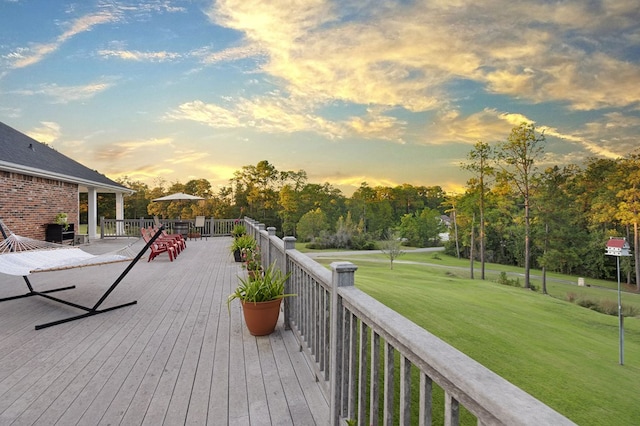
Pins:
<point x="23" y="256"/>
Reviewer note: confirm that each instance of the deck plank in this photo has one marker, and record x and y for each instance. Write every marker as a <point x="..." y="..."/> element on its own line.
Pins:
<point x="179" y="356"/>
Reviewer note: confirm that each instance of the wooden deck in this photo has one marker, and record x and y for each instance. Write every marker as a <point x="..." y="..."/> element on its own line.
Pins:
<point x="176" y="357"/>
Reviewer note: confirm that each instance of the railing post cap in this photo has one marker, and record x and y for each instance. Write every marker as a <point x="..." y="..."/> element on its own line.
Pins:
<point x="261" y="226"/>
<point x="289" y="242"/>
<point x="271" y="230"/>
<point x="343" y="267"/>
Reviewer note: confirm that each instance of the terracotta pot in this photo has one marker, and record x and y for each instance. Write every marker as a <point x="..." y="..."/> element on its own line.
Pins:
<point x="261" y="317"/>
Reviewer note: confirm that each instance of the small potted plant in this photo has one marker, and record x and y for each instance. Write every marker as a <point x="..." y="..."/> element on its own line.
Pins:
<point x="193" y="233"/>
<point x="252" y="262"/>
<point x="244" y="242"/>
<point x="62" y="219"/>
<point x="261" y="298"/>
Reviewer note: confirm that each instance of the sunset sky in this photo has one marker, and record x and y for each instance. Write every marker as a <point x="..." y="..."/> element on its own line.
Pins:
<point x="386" y="92"/>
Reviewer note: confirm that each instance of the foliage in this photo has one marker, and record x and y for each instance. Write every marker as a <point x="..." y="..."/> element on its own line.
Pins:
<point x="263" y="288"/>
<point x="348" y="235"/>
<point x="238" y="230"/>
<point x="244" y="242"/>
<point x="311" y="225"/>
<point x="62" y="219"/>
<point x="608" y="307"/>
<point x="251" y="258"/>
<point x="422" y="230"/>
<point x="505" y="280"/>
<point x="572" y="209"/>
<point x="520" y="152"/>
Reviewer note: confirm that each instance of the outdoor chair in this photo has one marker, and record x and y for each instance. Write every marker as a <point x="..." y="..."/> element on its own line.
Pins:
<point x="177" y="239"/>
<point x="199" y="225"/>
<point x="161" y="245"/>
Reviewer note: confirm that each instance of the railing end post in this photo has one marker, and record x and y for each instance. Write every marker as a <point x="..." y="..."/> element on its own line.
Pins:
<point x="289" y="243"/>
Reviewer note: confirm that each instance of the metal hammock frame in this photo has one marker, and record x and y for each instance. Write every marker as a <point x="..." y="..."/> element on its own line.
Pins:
<point x="89" y="310"/>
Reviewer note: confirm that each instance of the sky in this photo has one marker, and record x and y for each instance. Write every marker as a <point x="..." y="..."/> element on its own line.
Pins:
<point x="350" y="91"/>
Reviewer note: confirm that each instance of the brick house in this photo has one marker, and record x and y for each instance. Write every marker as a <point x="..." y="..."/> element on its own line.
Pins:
<point x="37" y="183"/>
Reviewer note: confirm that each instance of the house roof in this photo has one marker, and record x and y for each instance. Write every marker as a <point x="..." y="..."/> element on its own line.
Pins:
<point x="22" y="154"/>
<point x="617" y="243"/>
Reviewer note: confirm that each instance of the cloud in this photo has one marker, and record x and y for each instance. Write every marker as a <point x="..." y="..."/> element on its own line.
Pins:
<point x="209" y="114"/>
<point x="488" y="125"/>
<point x="272" y="114"/>
<point x="406" y="55"/>
<point x="228" y="55"/>
<point x="109" y="12"/>
<point x="48" y="133"/>
<point x="66" y="94"/>
<point x="24" y="57"/>
<point x="188" y="156"/>
<point x="377" y="125"/>
<point x="356" y="180"/>
<point x="134" y="55"/>
<point x="130" y="149"/>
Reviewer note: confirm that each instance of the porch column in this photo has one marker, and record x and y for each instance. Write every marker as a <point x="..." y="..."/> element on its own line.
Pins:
<point x="120" y="213"/>
<point x="92" y="213"/>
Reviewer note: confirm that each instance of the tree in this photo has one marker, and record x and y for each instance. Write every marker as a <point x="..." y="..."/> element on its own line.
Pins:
<point x="392" y="247"/>
<point x="628" y="197"/>
<point x="519" y="154"/>
<point x="135" y="205"/>
<point x="558" y="223"/>
<point x="422" y="230"/>
<point x="480" y="164"/>
<point x="361" y="201"/>
<point x="312" y="224"/>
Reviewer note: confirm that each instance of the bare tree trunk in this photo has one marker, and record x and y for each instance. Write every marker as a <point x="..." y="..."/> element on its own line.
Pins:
<point x="455" y="230"/>
<point x="482" y="235"/>
<point x="527" y="248"/>
<point x="472" y="244"/>
<point x="636" y="254"/>
<point x="544" y="268"/>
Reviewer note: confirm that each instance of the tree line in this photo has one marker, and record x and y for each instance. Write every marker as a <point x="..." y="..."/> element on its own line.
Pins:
<point x="511" y="211"/>
<point x="557" y="218"/>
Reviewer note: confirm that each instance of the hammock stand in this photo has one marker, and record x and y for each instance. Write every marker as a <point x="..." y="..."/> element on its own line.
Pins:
<point x="89" y="311"/>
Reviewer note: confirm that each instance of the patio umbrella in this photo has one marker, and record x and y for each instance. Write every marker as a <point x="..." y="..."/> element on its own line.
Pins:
<point x="178" y="196"/>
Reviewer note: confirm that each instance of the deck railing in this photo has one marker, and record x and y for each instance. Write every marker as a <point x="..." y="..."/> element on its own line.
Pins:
<point x="366" y="355"/>
<point x="112" y="228"/>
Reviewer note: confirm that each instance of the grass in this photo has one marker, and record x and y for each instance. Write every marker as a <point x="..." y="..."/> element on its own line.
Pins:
<point x="563" y="354"/>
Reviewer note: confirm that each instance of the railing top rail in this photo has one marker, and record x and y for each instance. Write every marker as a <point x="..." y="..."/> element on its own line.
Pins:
<point x="318" y="272"/>
<point x="482" y="391"/>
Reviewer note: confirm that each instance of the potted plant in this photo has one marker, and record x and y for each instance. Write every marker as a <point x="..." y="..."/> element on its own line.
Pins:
<point x="238" y="231"/>
<point x="252" y="262"/>
<point x="261" y="298"/>
<point x="244" y="242"/>
<point x="193" y="233"/>
<point x="62" y="219"/>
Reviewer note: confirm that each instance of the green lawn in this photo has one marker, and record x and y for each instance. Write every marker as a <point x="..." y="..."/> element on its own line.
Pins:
<point x="563" y="354"/>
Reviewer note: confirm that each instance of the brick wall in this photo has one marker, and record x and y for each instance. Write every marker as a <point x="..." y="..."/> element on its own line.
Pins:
<point x="29" y="203"/>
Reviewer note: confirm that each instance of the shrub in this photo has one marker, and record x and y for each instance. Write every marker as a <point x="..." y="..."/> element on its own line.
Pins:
<point x="505" y="280"/>
<point x="608" y="307"/>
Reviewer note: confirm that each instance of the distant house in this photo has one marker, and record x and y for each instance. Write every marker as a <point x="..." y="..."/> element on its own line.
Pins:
<point x="37" y="183"/>
<point x="446" y="221"/>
